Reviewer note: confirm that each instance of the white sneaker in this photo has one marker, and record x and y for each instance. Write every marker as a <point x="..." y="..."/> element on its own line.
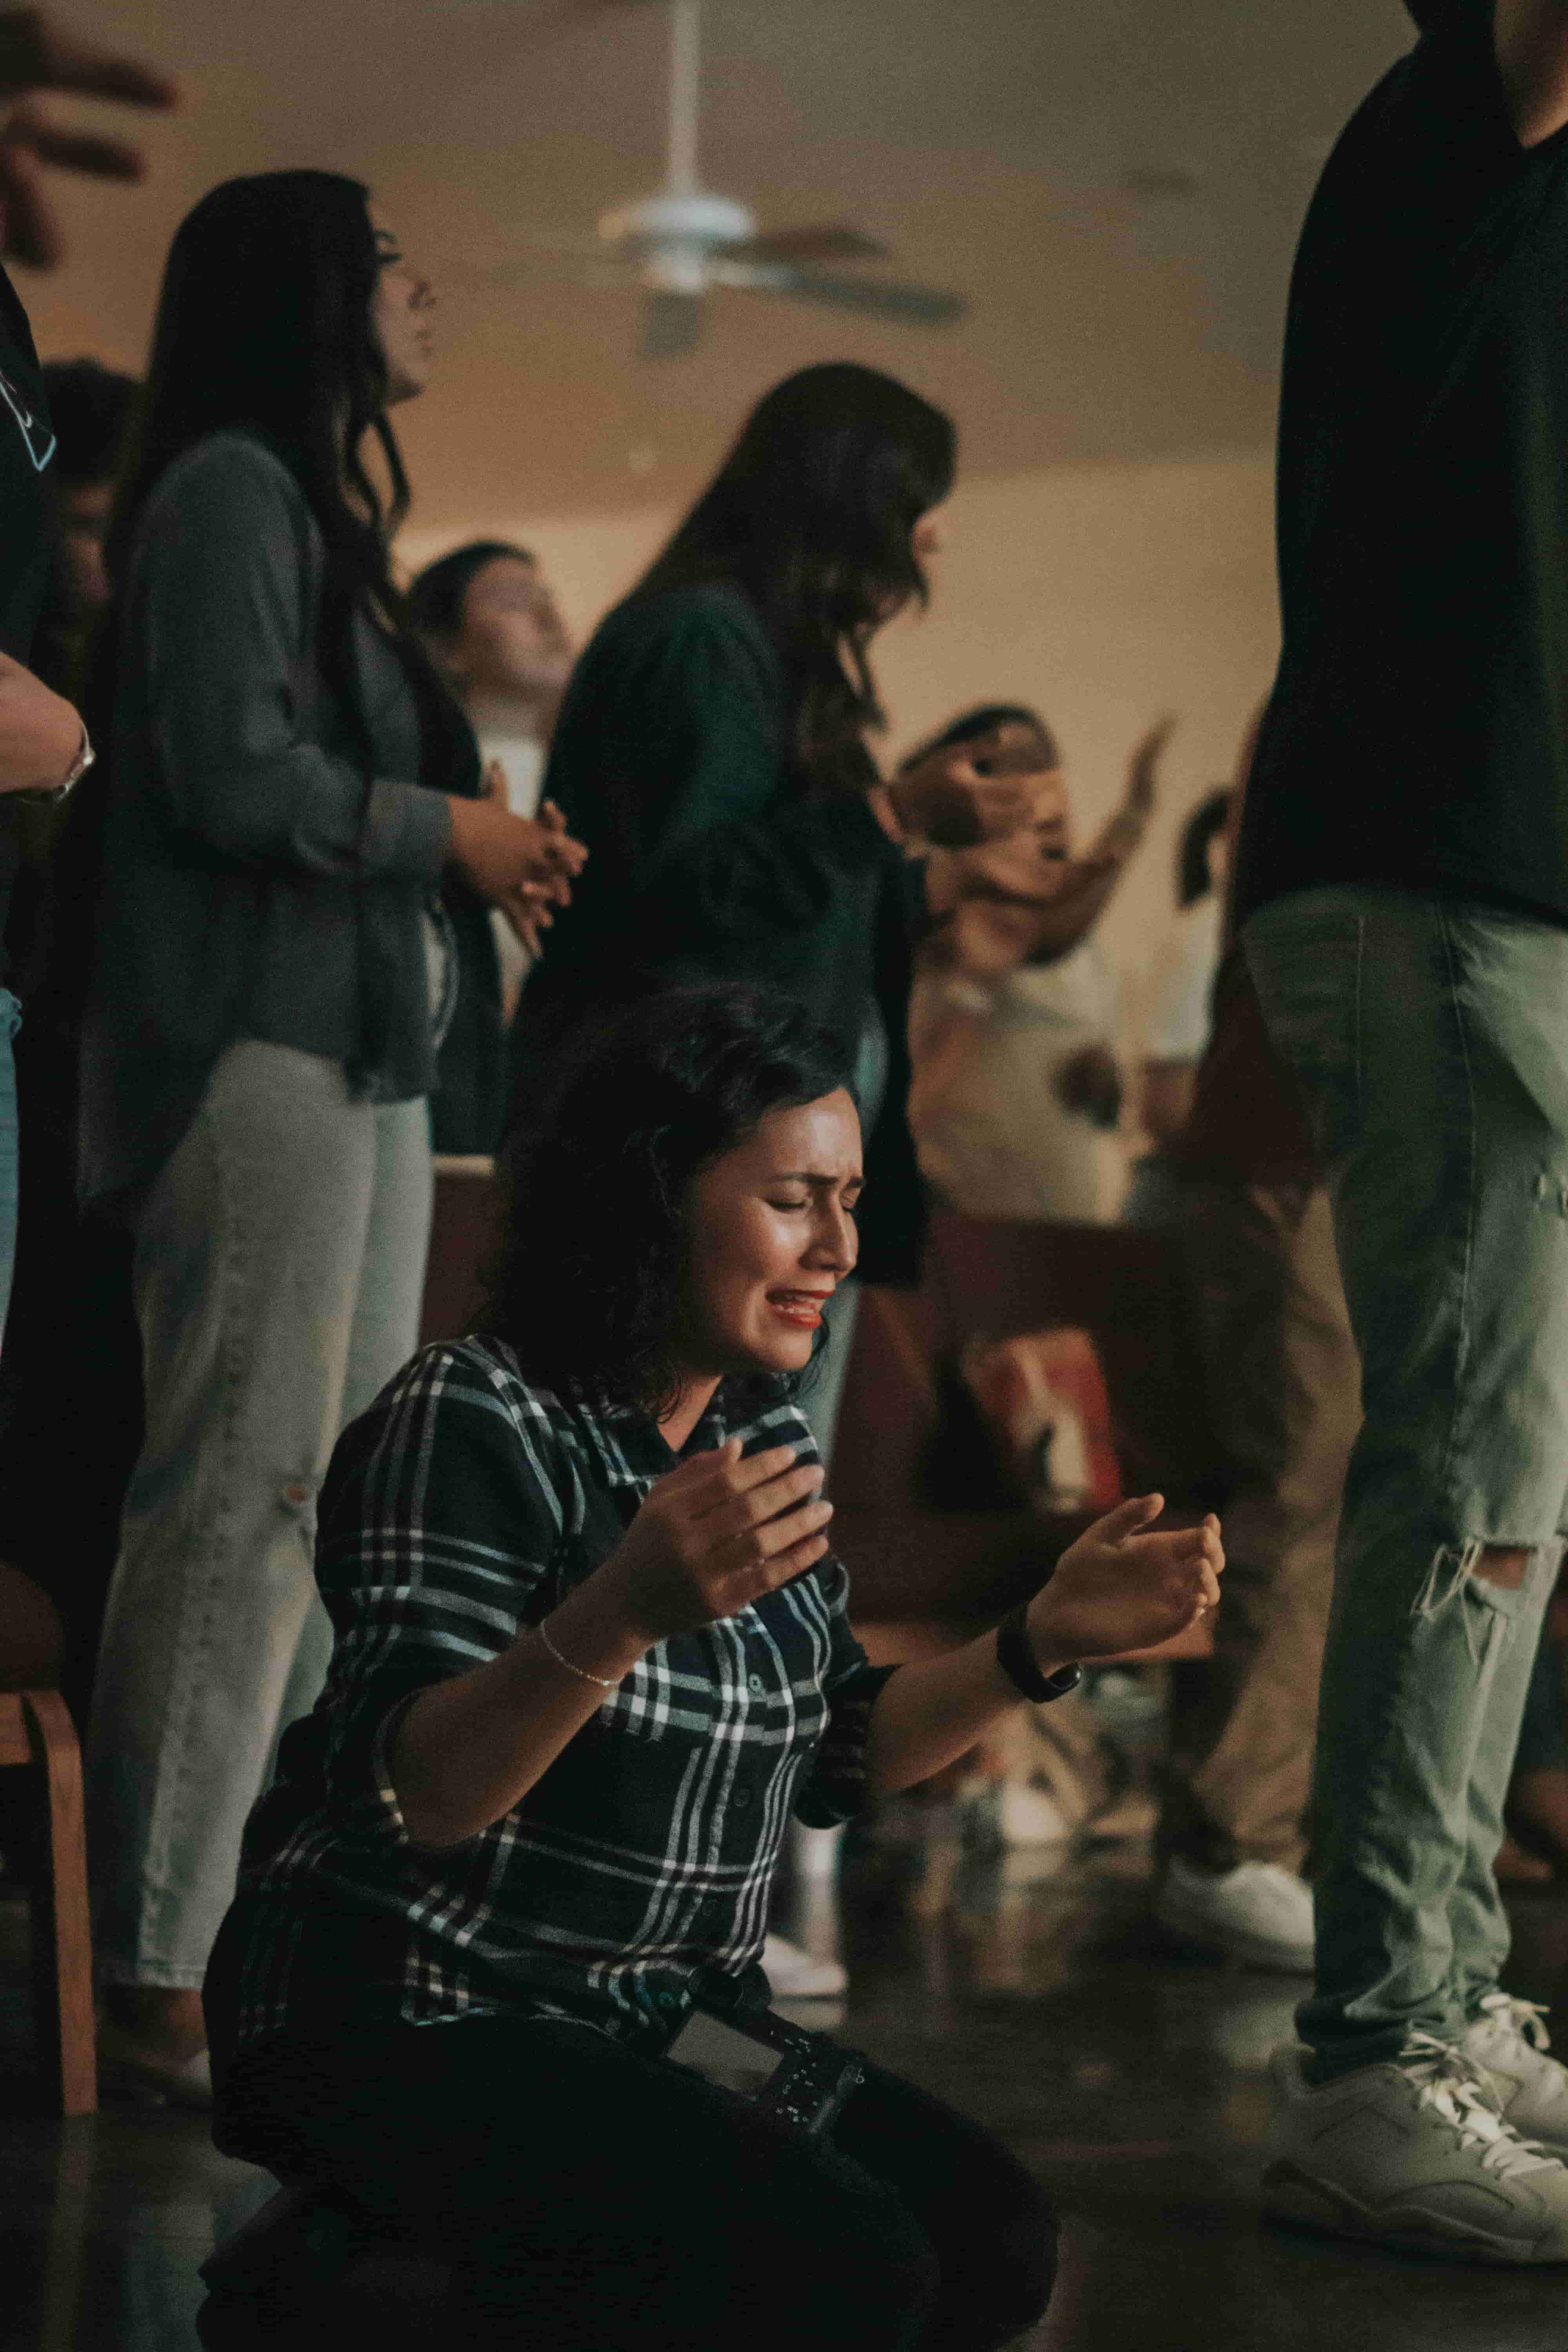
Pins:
<point x="1411" y="2154"/>
<point x="795" y="1975"/>
<point x="1258" y="1912"/>
<point x="1510" y="2045"/>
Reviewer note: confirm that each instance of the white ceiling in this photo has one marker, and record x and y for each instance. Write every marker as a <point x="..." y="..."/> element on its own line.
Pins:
<point x="989" y="141"/>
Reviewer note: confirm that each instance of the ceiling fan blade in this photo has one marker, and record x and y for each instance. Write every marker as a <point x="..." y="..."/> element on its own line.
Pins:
<point x="671" y="325"/>
<point x="831" y="242"/>
<point x="883" y="297"/>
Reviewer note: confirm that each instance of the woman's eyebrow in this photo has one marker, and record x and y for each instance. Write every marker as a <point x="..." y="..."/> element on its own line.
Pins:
<point x="812" y="1176"/>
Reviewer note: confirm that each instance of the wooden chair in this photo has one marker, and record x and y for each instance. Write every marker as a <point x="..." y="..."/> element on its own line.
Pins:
<point x="38" y="1738"/>
<point x="995" y="1277"/>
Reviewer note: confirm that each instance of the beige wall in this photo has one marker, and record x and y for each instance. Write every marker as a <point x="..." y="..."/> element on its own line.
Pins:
<point x="1104" y="595"/>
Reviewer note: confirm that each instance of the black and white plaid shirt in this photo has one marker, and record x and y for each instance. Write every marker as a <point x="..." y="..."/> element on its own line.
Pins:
<point x="462" y="1507"/>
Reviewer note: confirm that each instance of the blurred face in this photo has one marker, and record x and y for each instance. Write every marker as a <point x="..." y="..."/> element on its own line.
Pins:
<point x="1035" y="860"/>
<point x="401" y="311"/>
<point x="84" y="517"/>
<point x="772" y="1234"/>
<point x="514" y="640"/>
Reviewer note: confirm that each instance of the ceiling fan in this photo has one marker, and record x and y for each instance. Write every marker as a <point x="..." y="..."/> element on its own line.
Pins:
<point x="681" y="242"/>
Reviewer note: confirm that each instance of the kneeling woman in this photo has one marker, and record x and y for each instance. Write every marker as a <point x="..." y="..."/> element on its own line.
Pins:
<point x="592" y="1651"/>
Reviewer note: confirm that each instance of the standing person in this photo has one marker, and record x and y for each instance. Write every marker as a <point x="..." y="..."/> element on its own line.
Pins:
<point x="42" y="744"/>
<point x="90" y="409"/>
<point x="72" y="1325"/>
<point x="712" y="752"/>
<point x="1403" y="885"/>
<point x="1017" y="1096"/>
<point x="494" y="630"/>
<point x="1181" y="1019"/>
<point x="593" y="1649"/>
<point x="288" y="785"/>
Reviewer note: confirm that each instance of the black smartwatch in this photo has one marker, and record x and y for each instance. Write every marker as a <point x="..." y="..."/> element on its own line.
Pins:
<point x="1015" y="1657"/>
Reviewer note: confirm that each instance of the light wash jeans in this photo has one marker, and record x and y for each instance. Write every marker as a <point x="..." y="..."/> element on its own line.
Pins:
<point x="280" y="1269"/>
<point x="1430" y="1038"/>
<point x="10" y="1164"/>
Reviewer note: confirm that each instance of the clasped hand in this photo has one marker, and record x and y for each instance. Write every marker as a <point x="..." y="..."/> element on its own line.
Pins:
<point x="1119" y="1588"/>
<point x="523" y="866"/>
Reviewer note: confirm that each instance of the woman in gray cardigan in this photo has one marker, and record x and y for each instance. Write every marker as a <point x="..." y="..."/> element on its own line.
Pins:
<point x="288" y="785"/>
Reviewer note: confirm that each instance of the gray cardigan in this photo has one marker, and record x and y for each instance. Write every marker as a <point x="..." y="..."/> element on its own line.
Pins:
<point x="255" y="882"/>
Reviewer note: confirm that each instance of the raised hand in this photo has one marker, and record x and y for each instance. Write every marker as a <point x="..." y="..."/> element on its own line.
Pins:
<point x="36" y="54"/>
<point x="969" y="792"/>
<point x="1117" y="1588"/>
<point x="714" y="1534"/>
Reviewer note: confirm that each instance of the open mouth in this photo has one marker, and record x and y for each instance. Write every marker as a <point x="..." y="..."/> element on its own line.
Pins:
<point x="801" y="1308"/>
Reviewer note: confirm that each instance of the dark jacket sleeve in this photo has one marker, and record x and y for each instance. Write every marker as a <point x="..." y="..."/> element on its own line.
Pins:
<point x="227" y="594"/>
<point x="672" y="760"/>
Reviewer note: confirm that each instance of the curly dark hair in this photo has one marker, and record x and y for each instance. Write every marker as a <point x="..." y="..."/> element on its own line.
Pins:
<point x="587" y="1284"/>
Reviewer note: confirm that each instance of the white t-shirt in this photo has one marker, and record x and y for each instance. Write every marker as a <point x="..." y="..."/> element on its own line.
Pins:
<point x="993" y="1135"/>
<point x="523" y="758"/>
<point x="1179" y="1024"/>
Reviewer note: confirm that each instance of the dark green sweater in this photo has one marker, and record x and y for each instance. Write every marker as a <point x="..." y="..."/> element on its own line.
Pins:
<point x="673" y="760"/>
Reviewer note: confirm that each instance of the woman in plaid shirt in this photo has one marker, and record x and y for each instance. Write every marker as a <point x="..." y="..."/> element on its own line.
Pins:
<point x="591" y="1650"/>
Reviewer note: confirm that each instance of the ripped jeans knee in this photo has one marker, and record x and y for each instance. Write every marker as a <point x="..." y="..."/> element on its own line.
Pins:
<point x="1461" y="1568"/>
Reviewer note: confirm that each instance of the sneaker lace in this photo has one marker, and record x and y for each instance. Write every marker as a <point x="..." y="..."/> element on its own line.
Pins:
<point x="1525" y="2018"/>
<point x="1447" y="2085"/>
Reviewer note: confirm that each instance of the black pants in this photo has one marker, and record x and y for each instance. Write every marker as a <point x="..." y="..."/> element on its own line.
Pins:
<point x="591" y="2199"/>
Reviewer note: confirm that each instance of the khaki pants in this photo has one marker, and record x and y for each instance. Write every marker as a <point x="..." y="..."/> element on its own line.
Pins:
<point x="1280" y="1366"/>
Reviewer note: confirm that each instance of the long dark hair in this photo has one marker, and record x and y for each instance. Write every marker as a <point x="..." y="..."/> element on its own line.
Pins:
<point x="587" y="1285"/>
<point x="812" y="516"/>
<point x="265" y="321"/>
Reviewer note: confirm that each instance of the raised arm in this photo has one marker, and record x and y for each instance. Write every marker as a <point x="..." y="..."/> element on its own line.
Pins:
<point x="715" y="1533"/>
<point x="1116" y="1588"/>
<point x="1531" y="38"/>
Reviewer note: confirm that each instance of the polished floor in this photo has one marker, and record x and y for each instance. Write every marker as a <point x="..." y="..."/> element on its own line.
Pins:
<point x="1027" y="1989"/>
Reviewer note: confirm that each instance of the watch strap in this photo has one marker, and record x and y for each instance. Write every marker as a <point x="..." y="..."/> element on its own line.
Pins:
<point x="1015" y="1657"/>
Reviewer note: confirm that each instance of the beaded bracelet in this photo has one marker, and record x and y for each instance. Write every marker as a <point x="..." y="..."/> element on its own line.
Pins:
<point x="604" y="1682"/>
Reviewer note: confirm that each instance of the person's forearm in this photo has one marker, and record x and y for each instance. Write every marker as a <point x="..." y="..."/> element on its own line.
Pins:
<point x="469" y="1750"/>
<point x="927" y="1715"/>
<point x="1066" y="920"/>
<point x="40" y="734"/>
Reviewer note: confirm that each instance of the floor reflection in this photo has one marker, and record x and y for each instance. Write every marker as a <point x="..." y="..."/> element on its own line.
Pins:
<point x="1027" y="1988"/>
